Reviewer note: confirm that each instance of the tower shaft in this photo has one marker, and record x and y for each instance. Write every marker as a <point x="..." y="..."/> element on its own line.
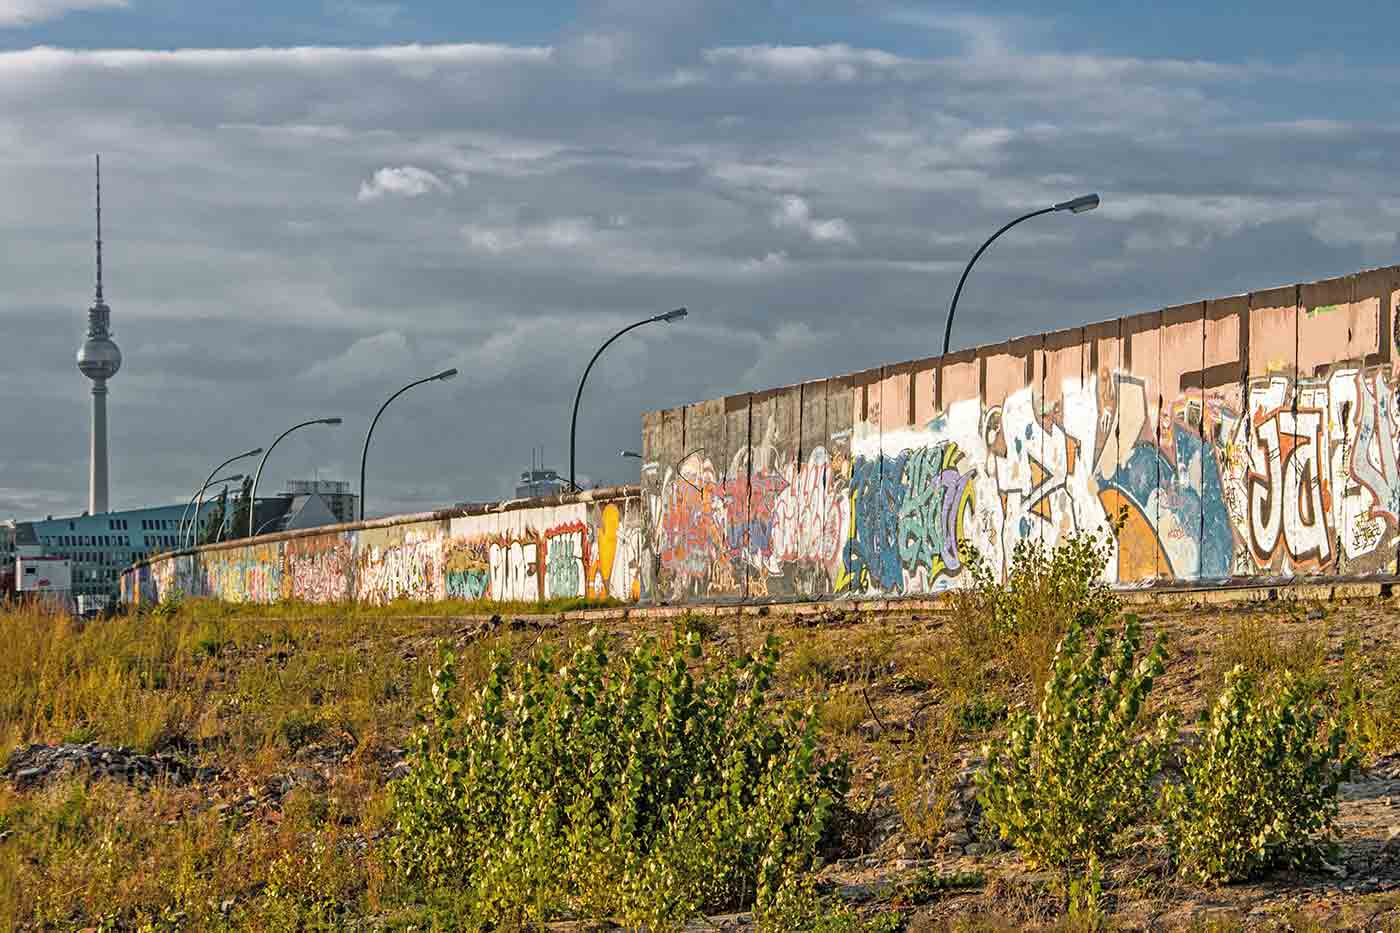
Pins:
<point x="97" y="472"/>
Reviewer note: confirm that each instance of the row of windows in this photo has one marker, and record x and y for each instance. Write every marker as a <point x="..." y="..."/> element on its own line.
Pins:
<point x="115" y="524"/>
<point x="107" y="540"/>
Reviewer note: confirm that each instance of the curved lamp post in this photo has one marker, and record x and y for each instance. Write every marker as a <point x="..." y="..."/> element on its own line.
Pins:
<point x="1077" y="206"/>
<point x="666" y="318"/>
<point x="442" y="377"/>
<point x="199" y="496"/>
<point x="180" y="528"/>
<point x="253" y="493"/>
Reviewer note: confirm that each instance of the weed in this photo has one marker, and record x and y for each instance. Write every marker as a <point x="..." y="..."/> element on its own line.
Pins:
<point x="1045" y="591"/>
<point x="1260" y="789"/>
<point x="614" y="786"/>
<point x="923" y="772"/>
<point x="1067" y="780"/>
<point x="1266" y="649"/>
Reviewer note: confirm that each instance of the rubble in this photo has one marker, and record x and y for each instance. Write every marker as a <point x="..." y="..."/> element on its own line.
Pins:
<point x="36" y="765"/>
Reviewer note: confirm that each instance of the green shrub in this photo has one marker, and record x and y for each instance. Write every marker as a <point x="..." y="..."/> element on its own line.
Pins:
<point x="626" y="787"/>
<point x="1045" y="590"/>
<point x="1068" y="779"/>
<point x="1260" y="788"/>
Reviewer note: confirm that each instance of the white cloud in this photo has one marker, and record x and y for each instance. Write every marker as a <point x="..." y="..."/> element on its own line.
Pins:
<point x="367" y="360"/>
<point x="802" y="63"/>
<point x="793" y="212"/>
<point x="808" y="203"/>
<point x="29" y="12"/>
<point x="407" y="181"/>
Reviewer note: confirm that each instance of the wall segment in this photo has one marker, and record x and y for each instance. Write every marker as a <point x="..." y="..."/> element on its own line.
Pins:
<point x="1253" y="436"/>
<point x="1256" y="435"/>
<point x="528" y="550"/>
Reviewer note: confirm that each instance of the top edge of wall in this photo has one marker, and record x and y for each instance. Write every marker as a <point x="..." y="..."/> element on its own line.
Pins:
<point x="967" y="354"/>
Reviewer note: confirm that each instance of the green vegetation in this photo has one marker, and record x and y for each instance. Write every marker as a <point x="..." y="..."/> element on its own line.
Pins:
<point x="1068" y="780"/>
<point x="1260" y="788"/>
<point x="620" y="786"/>
<point x="326" y="812"/>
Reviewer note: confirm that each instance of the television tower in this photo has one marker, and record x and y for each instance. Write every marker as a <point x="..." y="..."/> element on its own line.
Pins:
<point x="99" y="359"/>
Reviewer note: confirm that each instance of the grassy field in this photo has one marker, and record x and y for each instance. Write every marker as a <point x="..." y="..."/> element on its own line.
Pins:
<point x="306" y="711"/>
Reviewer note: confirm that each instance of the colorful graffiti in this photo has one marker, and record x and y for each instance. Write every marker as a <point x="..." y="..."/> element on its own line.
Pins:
<point x="590" y="548"/>
<point x="1257" y="436"/>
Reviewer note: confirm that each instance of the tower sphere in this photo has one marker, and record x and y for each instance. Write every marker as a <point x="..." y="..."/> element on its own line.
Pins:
<point x="99" y="358"/>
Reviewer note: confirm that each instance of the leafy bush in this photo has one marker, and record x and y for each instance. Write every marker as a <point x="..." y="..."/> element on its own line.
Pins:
<point x="615" y="786"/>
<point x="1045" y="590"/>
<point x="1260" y="788"/>
<point x="1068" y="779"/>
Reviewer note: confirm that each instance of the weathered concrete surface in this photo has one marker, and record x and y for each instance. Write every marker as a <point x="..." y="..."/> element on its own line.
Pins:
<point x="1254" y="438"/>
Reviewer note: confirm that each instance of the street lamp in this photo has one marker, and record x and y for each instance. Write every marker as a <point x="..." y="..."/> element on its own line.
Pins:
<point x="666" y="318"/>
<point x="199" y="496"/>
<point x="1076" y="206"/>
<point x="253" y="493"/>
<point x="442" y="376"/>
<point x="180" y="528"/>
<point x="629" y="453"/>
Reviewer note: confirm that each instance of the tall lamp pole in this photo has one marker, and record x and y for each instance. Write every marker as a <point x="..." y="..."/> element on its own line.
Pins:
<point x="666" y="318"/>
<point x="1076" y="206"/>
<point x="253" y="493"/>
<point x="199" y="496"/>
<point x="439" y="377"/>
<point x="180" y="528"/>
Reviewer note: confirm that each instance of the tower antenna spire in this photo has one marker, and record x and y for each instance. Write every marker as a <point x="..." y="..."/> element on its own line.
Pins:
<point x="99" y="228"/>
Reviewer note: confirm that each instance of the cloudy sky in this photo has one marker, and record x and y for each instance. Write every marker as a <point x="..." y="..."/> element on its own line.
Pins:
<point x="308" y="204"/>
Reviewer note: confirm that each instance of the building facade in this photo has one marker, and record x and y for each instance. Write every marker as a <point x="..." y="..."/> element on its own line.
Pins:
<point x="100" y="547"/>
<point x="334" y="494"/>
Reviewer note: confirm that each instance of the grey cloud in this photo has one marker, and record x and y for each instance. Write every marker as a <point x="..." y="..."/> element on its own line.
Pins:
<point x="632" y="166"/>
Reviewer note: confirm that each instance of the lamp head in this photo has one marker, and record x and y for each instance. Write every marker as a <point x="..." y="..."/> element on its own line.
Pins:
<point x="446" y="374"/>
<point x="670" y="316"/>
<point x="330" y="421"/>
<point x="252" y="453"/>
<point x="629" y="453"/>
<point x="1079" y="205"/>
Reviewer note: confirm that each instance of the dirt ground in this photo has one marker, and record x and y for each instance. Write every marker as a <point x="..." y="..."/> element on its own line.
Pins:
<point x="879" y="681"/>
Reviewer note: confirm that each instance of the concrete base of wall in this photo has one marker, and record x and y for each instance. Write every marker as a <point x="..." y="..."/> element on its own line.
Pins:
<point x="1174" y="597"/>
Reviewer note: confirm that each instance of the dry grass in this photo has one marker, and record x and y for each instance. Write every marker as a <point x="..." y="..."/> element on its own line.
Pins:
<point x="262" y="692"/>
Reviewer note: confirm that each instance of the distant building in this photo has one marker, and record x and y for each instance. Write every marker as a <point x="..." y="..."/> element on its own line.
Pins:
<point x="7" y="544"/>
<point x="334" y="494"/>
<point x="48" y="578"/>
<point x="99" y="547"/>
<point x="540" y="482"/>
<point x="307" y="504"/>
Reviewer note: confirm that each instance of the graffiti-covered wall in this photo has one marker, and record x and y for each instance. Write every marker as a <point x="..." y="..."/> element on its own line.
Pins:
<point x="574" y="546"/>
<point x="1256" y="435"/>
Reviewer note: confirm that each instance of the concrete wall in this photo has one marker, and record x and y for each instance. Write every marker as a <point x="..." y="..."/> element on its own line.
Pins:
<point x="1252" y="436"/>
<point x="531" y="550"/>
<point x="1256" y="436"/>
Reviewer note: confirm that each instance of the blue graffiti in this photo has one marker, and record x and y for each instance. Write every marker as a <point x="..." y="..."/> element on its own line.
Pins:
<point x="905" y="512"/>
<point x="467" y="584"/>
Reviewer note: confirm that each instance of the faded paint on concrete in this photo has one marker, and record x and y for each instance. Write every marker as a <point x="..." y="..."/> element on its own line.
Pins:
<point x="1250" y="436"/>
<point x="587" y="545"/>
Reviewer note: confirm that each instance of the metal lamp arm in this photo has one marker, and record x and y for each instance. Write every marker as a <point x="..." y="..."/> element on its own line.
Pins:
<point x="364" y="455"/>
<point x="948" y="330"/>
<point x="253" y="493"/>
<point x="199" y="495"/>
<point x="578" y="397"/>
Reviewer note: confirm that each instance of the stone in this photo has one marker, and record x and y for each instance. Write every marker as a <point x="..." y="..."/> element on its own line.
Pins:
<point x="959" y="838"/>
<point x="979" y="848"/>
